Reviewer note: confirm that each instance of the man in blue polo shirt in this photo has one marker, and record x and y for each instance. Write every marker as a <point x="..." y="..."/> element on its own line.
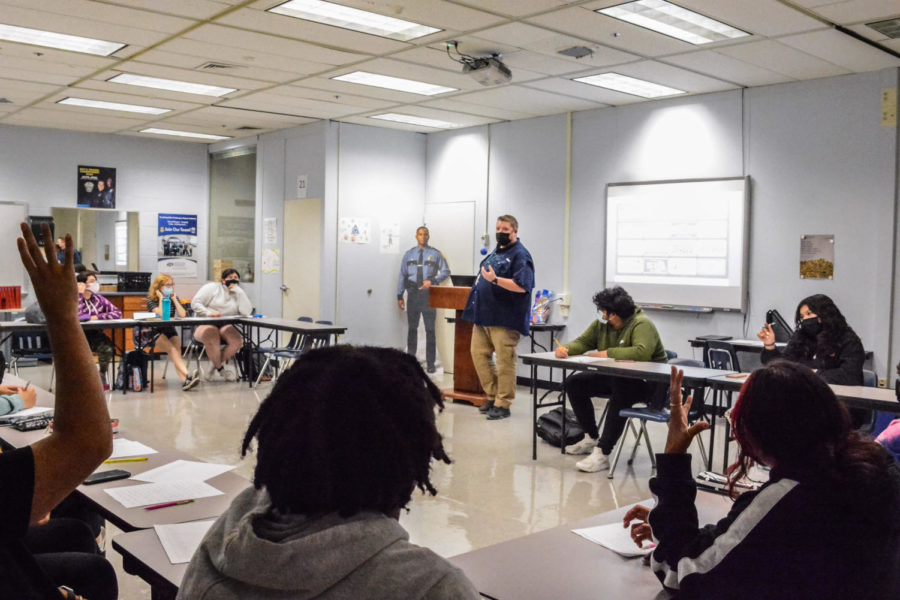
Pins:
<point x="422" y="266"/>
<point x="498" y="305"/>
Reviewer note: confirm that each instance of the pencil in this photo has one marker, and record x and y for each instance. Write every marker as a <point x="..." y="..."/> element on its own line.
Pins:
<point x="122" y="460"/>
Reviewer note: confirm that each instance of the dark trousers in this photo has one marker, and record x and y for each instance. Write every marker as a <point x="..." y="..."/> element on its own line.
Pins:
<point x="623" y="393"/>
<point x="417" y="304"/>
<point x="67" y="553"/>
<point x="103" y="346"/>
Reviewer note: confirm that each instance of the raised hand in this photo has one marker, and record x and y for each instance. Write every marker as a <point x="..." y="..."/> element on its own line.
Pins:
<point x="680" y="434"/>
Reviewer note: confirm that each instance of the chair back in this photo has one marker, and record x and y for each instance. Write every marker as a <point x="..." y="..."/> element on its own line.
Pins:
<point x="720" y="355"/>
<point x="320" y="340"/>
<point x="30" y="344"/>
<point x="870" y="379"/>
<point x="296" y="339"/>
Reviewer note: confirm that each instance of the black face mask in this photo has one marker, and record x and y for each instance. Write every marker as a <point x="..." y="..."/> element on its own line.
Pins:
<point x="811" y="326"/>
<point x="231" y="282"/>
<point x="503" y="238"/>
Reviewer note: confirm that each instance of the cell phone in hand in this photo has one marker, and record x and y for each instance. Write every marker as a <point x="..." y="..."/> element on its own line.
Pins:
<point x="111" y="475"/>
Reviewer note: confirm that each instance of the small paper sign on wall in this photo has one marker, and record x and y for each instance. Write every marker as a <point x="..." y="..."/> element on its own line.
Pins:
<point x="817" y="257"/>
<point x="354" y="231"/>
<point x="302" y="183"/>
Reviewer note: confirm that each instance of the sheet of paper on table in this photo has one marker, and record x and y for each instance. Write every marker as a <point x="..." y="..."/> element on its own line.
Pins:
<point x="183" y="470"/>
<point x="181" y="540"/>
<point x="614" y="537"/>
<point x="25" y="412"/>
<point x="131" y="496"/>
<point x="583" y="358"/>
<point x="123" y="448"/>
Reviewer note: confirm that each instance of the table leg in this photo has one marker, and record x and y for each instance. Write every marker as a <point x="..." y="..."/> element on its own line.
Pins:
<point x="534" y="408"/>
<point x="712" y="430"/>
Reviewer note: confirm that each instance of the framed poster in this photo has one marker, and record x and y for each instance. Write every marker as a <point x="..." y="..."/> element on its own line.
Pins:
<point x="96" y="187"/>
<point x="177" y="236"/>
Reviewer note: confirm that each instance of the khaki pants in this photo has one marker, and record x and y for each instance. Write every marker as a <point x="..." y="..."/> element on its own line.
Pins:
<point x="499" y="382"/>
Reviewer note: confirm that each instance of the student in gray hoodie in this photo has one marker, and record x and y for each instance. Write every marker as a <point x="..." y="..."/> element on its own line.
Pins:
<point x="343" y="440"/>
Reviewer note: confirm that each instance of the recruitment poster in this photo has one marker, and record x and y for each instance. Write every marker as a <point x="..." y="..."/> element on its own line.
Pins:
<point x="96" y="187"/>
<point x="177" y="242"/>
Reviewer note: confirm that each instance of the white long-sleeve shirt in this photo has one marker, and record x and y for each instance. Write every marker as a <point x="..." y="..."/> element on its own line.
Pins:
<point x="214" y="296"/>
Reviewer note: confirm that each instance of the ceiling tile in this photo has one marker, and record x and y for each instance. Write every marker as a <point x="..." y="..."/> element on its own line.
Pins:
<point x="20" y="93"/>
<point x="517" y="8"/>
<point x="193" y="9"/>
<point x="841" y="49"/>
<point x="855" y="11"/>
<point x="760" y="17"/>
<point x="306" y="102"/>
<point x="228" y="121"/>
<point x="586" y="92"/>
<point x="782" y="59"/>
<point x="434" y="13"/>
<point x="527" y="100"/>
<point x="62" y="119"/>
<point x="460" y="105"/>
<point x="657" y="72"/>
<point x="273" y="44"/>
<point x="723" y="67"/>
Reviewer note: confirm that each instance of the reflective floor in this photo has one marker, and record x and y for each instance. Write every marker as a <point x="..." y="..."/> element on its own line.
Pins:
<point x="492" y="492"/>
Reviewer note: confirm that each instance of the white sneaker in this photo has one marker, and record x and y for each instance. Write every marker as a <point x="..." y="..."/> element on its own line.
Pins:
<point x="597" y="461"/>
<point x="583" y="446"/>
<point x="211" y="374"/>
<point x="228" y="374"/>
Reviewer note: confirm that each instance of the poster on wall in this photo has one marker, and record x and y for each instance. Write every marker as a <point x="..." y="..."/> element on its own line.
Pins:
<point x="817" y="257"/>
<point x="96" y="187"/>
<point x="177" y="235"/>
<point x="354" y="231"/>
<point x="390" y="239"/>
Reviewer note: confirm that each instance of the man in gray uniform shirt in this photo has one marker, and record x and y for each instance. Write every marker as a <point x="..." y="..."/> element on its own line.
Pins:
<point x="422" y="266"/>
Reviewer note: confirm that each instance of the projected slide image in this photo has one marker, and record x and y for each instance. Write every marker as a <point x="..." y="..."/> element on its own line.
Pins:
<point x="673" y="267"/>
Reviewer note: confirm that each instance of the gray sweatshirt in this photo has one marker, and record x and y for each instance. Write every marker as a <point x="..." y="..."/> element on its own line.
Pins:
<point x="251" y="552"/>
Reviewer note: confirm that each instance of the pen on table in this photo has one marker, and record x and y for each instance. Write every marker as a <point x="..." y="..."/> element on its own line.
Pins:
<point x="166" y="504"/>
<point x="121" y="460"/>
<point x="27" y="383"/>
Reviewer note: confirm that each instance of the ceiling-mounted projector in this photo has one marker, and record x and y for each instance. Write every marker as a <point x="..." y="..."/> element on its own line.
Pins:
<point x="488" y="71"/>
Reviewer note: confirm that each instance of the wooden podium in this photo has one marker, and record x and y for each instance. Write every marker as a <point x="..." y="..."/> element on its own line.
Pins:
<point x="466" y="385"/>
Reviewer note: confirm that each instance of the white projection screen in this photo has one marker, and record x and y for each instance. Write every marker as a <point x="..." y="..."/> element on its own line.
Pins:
<point x="679" y="244"/>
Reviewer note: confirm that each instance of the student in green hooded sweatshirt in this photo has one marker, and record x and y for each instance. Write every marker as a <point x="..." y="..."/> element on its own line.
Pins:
<point x="623" y="332"/>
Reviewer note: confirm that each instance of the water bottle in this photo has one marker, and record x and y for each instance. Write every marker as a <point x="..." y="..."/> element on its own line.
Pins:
<point x="166" y="308"/>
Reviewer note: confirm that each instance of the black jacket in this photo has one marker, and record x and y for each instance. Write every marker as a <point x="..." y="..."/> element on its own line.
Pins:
<point x="840" y="363"/>
<point x="788" y="540"/>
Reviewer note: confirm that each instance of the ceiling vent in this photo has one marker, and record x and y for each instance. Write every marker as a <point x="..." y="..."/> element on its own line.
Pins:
<point x="577" y="52"/>
<point x="889" y="28"/>
<point x="248" y="128"/>
<point x="215" y="66"/>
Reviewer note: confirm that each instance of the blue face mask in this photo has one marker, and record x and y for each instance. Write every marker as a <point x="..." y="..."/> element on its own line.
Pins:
<point x="167" y="291"/>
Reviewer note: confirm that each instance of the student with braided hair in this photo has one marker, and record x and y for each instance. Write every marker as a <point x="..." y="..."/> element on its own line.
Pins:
<point x="343" y="440"/>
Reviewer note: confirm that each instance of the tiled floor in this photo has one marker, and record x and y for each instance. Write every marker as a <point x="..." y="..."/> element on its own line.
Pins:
<point x="492" y="492"/>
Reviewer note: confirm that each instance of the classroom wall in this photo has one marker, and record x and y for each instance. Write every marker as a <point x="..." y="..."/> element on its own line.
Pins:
<point x="39" y="167"/>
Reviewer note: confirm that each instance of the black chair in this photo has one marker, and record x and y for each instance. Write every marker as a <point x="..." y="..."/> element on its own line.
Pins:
<point x="297" y="345"/>
<point x="31" y="345"/>
<point x="720" y="355"/>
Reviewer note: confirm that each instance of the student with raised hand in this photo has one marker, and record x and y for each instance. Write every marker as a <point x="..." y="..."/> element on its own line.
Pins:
<point x="321" y="520"/>
<point x="36" y="478"/>
<point x="826" y="524"/>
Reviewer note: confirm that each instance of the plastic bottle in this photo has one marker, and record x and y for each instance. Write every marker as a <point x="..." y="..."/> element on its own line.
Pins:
<point x="166" y="306"/>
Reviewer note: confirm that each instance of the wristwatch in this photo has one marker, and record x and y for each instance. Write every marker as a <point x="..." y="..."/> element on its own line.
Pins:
<point x="494" y="281"/>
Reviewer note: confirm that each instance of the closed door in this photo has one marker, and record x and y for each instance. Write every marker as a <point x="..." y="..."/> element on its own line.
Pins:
<point x="302" y="262"/>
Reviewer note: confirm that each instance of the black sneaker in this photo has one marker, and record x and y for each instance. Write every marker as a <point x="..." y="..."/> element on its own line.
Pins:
<point x="496" y="413"/>
<point x="431" y="369"/>
<point x="486" y="407"/>
<point x="189" y="383"/>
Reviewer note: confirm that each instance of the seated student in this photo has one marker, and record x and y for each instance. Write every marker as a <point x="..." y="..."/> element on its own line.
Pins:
<point x="825" y="525"/>
<point x="321" y="520"/>
<point x="36" y="478"/>
<point x="225" y="299"/>
<point x="166" y="336"/>
<point x="624" y="332"/>
<point x="822" y="341"/>
<point x="92" y="307"/>
<point x="14" y="398"/>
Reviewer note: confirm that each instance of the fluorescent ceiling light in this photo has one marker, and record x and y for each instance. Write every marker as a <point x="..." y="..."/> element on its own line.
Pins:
<point x="413" y="120"/>
<point x="135" y="108"/>
<point x="60" y="41"/>
<point x="190" y="134"/>
<point x="171" y="84"/>
<point x="394" y="83"/>
<point x="672" y="20"/>
<point x="354" y="19"/>
<point x="630" y="85"/>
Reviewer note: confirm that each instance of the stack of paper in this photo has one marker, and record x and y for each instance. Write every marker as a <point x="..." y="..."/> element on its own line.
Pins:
<point x="178" y="480"/>
<point x="183" y="470"/>
<point x="123" y="448"/>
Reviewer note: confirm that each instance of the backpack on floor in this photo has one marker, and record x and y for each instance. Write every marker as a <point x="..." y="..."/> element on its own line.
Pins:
<point x="549" y="427"/>
<point x="134" y="362"/>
